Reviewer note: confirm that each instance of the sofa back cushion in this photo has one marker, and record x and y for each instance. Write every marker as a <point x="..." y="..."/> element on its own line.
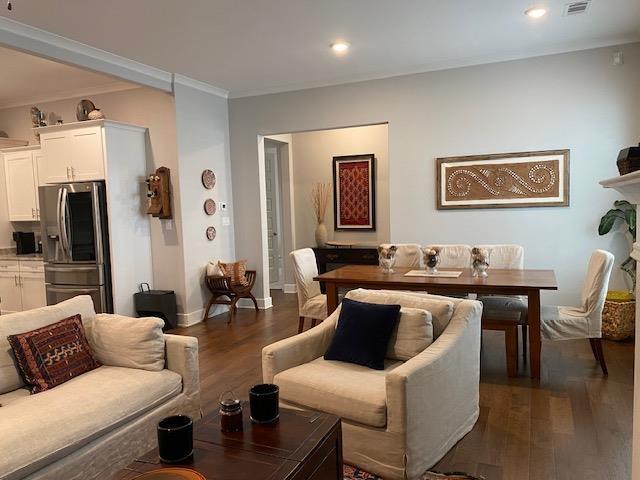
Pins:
<point x="21" y="322"/>
<point x="51" y="355"/>
<point x="121" y="341"/>
<point x="441" y="308"/>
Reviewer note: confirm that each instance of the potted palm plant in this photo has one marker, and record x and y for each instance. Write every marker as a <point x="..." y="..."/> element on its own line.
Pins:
<point x="618" y="316"/>
<point x="626" y="213"/>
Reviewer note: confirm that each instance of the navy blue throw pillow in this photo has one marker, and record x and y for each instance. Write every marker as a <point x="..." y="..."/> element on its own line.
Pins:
<point x="363" y="333"/>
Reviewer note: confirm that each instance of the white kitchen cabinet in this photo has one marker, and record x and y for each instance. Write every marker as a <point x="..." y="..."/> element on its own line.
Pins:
<point x="32" y="290"/>
<point x="73" y="152"/>
<point x="10" y="294"/>
<point x="87" y="157"/>
<point x="21" y="180"/>
<point x="56" y="148"/>
<point x="22" y="285"/>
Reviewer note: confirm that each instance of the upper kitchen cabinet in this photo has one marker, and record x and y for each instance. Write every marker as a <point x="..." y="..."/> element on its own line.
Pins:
<point x="21" y="179"/>
<point x="77" y="152"/>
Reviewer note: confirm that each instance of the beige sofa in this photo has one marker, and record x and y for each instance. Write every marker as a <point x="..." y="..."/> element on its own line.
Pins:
<point x="93" y="425"/>
<point x="398" y="422"/>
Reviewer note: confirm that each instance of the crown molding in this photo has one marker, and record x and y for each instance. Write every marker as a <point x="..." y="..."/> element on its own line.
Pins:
<point x="30" y="39"/>
<point x="497" y="57"/>
<point x="198" y="85"/>
<point x="69" y="94"/>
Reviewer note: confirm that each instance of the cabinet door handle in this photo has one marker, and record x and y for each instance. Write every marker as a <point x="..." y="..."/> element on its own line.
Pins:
<point x="73" y="173"/>
<point x="15" y="279"/>
<point x="68" y="174"/>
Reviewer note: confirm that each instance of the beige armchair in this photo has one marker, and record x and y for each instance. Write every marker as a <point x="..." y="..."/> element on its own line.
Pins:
<point x="397" y="422"/>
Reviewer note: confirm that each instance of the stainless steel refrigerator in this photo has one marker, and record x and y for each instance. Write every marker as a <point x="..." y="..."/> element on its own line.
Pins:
<point x="75" y="243"/>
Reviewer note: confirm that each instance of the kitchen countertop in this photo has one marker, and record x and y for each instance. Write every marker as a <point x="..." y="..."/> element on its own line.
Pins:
<point x="10" y="254"/>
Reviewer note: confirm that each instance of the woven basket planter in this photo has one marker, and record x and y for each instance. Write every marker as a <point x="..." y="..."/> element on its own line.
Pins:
<point x="618" y="319"/>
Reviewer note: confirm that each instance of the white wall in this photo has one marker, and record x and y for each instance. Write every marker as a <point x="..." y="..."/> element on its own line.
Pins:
<point x="577" y="100"/>
<point x="203" y="142"/>
<point x="141" y="106"/>
<point x="313" y="154"/>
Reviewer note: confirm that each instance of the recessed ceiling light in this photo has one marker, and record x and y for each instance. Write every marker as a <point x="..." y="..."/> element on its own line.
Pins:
<point x="340" y="47"/>
<point x="535" y="12"/>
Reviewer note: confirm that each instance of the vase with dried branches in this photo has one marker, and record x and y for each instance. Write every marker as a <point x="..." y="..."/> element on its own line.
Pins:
<point x="319" y="200"/>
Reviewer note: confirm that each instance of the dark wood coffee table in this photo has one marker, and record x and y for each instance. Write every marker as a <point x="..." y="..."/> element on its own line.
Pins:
<point x="303" y="445"/>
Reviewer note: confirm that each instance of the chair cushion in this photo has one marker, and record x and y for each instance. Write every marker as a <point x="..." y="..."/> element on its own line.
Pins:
<point x="441" y="308"/>
<point x="505" y="303"/>
<point x="413" y="333"/>
<point x="40" y="429"/>
<point x="20" y="322"/>
<point x="564" y="323"/>
<point x="363" y="333"/>
<point x="235" y="270"/>
<point x="122" y="341"/>
<point x="315" y="307"/>
<point x="350" y="391"/>
<point x="51" y="355"/>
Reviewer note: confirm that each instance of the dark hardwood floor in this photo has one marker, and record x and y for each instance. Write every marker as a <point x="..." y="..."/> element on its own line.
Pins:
<point x="574" y="424"/>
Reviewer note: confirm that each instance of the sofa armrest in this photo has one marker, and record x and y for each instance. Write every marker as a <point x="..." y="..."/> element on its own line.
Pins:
<point x="299" y="349"/>
<point x="182" y="358"/>
<point x="433" y="398"/>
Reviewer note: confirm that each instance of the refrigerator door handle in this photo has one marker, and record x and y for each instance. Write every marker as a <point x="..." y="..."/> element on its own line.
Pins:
<point x="73" y="268"/>
<point x="64" y="236"/>
<point x="75" y="289"/>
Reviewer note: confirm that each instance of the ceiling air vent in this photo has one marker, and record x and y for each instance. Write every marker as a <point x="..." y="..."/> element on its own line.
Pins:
<point x="574" y="8"/>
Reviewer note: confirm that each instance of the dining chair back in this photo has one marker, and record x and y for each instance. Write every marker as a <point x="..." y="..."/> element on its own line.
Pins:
<point x="407" y="254"/>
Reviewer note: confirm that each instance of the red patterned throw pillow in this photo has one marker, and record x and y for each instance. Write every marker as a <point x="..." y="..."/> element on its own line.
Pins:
<point x="53" y="354"/>
<point x="235" y="270"/>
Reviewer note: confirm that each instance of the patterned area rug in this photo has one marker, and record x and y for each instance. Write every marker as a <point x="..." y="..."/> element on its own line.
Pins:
<point x="352" y="473"/>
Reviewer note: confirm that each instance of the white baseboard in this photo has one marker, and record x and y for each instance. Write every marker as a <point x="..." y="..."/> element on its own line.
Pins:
<point x="263" y="303"/>
<point x="290" y="288"/>
<point x="188" y="319"/>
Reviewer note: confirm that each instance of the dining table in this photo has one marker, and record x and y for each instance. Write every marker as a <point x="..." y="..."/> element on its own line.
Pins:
<point x="525" y="282"/>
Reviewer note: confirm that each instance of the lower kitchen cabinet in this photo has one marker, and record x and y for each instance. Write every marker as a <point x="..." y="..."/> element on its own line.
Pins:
<point x="10" y="294"/>
<point x="21" y="290"/>
<point x="32" y="290"/>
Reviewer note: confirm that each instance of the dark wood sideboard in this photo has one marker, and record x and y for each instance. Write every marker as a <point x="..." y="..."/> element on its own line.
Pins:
<point x="330" y="258"/>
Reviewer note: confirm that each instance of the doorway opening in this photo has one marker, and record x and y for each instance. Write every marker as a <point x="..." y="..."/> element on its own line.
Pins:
<point x="293" y="164"/>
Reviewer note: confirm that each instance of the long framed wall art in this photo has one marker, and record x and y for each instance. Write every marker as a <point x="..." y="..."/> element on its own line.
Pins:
<point x="505" y="180"/>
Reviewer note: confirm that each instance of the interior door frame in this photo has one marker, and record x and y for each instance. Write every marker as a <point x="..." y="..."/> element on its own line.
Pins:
<point x="270" y="144"/>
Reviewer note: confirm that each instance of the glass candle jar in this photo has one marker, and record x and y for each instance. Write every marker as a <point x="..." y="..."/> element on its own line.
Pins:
<point x="230" y="413"/>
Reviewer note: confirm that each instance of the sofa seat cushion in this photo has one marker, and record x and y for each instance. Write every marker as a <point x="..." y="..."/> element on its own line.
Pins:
<point x="40" y="429"/>
<point x="7" y="398"/>
<point x="350" y="391"/>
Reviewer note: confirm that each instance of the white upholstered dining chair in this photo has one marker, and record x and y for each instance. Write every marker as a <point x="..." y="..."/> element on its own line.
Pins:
<point x="453" y="256"/>
<point x="569" y="323"/>
<point x="507" y="257"/>
<point x="407" y="255"/>
<point x="312" y="303"/>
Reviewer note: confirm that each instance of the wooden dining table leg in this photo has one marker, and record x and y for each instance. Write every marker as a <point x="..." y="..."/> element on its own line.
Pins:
<point x="535" y="342"/>
<point x="332" y="297"/>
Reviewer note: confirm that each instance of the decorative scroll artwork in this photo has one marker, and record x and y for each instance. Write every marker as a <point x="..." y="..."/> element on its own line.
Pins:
<point x="527" y="179"/>
<point x="354" y="192"/>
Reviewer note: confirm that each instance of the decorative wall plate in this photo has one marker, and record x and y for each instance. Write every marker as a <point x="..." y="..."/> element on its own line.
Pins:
<point x="208" y="179"/>
<point x="211" y="233"/>
<point x="209" y="206"/>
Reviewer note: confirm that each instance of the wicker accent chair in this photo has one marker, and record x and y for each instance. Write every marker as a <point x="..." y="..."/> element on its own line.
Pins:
<point x="221" y="286"/>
